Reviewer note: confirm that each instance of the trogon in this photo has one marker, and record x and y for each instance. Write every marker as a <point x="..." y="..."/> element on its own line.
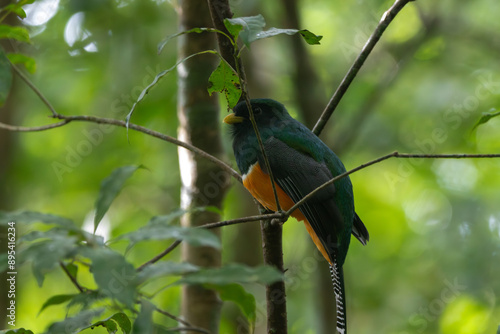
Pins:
<point x="300" y="162"/>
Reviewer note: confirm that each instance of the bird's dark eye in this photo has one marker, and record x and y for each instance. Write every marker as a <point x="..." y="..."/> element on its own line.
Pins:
<point x="257" y="110"/>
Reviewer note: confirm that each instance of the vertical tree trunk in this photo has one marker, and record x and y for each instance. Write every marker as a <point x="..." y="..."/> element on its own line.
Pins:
<point x="203" y="184"/>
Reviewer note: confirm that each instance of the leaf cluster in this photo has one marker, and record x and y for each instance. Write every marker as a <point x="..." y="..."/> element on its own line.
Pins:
<point x="120" y="284"/>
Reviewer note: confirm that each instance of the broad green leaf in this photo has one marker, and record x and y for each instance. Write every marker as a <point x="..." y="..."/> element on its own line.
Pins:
<point x="251" y="26"/>
<point x="56" y="300"/>
<point x="16" y="331"/>
<point x="110" y="187"/>
<point x="233" y="273"/>
<point x="111" y="323"/>
<point x="144" y="321"/>
<point x="234" y="27"/>
<point x="251" y="29"/>
<point x="308" y="36"/>
<point x="166" y="268"/>
<point x="5" y="78"/>
<point x="17" y="8"/>
<point x="225" y="80"/>
<point x="18" y="33"/>
<point x="485" y="117"/>
<point x="45" y="255"/>
<point x="115" y="276"/>
<point x="29" y="217"/>
<point x="193" y="236"/>
<point x="236" y="293"/>
<point x="157" y="78"/>
<point x="74" y="324"/>
<point x="19" y="58"/>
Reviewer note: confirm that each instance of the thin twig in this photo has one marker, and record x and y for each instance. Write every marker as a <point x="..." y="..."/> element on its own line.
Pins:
<point x="358" y="63"/>
<point x="32" y="129"/>
<point x="210" y="226"/>
<point x="171" y="316"/>
<point x="243" y="220"/>
<point x="36" y="90"/>
<point x="116" y="122"/>
<point x="385" y="157"/>
<point x="73" y="279"/>
<point x="159" y="256"/>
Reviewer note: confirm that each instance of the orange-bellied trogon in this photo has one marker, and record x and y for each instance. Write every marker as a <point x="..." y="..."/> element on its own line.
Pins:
<point x="300" y="162"/>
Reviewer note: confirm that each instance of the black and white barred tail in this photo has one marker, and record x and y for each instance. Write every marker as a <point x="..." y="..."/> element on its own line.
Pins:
<point x="338" y="288"/>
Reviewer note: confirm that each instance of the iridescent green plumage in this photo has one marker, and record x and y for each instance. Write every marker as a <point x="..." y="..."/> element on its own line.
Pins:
<point x="300" y="163"/>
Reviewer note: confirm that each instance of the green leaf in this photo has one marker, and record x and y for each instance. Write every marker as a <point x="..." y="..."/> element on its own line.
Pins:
<point x="29" y="217"/>
<point x="45" y="255"/>
<point x="309" y="37"/>
<point x="193" y="236"/>
<point x="225" y="80"/>
<point x="234" y="27"/>
<point x="111" y="323"/>
<point x="485" y="117"/>
<point x="233" y="273"/>
<point x="166" y="268"/>
<point x="250" y="29"/>
<point x="56" y="300"/>
<point x="5" y="77"/>
<point x="251" y="26"/>
<point x="236" y="293"/>
<point x="110" y="187"/>
<point x="17" y="9"/>
<point x="115" y="276"/>
<point x="28" y="62"/>
<point x="157" y="78"/>
<point x="18" y="33"/>
<point x="74" y="324"/>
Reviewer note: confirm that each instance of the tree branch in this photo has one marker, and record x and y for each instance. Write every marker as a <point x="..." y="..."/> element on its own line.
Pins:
<point x="385" y="157"/>
<point x="116" y="122"/>
<point x="73" y="279"/>
<point x="176" y="243"/>
<point x="32" y="129"/>
<point x="387" y="18"/>
<point x="34" y="89"/>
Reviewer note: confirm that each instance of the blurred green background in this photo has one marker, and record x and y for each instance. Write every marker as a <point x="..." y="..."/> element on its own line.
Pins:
<point x="432" y="264"/>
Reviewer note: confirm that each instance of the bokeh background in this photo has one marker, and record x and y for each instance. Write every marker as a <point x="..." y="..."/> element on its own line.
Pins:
<point x="432" y="264"/>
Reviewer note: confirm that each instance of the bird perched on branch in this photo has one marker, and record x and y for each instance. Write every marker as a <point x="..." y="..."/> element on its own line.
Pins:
<point x="300" y="162"/>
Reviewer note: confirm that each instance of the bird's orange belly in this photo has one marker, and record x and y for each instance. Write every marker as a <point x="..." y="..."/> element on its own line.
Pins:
<point x="259" y="185"/>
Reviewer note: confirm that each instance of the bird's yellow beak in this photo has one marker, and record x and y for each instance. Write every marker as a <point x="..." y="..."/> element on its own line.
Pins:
<point x="232" y="118"/>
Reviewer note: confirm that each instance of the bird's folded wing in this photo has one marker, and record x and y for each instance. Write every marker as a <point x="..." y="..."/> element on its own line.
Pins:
<point x="298" y="174"/>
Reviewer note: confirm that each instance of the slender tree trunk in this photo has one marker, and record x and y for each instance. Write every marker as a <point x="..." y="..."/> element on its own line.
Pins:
<point x="203" y="184"/>
<point x="271" y="232"/>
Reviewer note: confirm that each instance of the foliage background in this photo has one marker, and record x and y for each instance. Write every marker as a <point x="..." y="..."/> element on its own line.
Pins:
<point x="432" y="263"/>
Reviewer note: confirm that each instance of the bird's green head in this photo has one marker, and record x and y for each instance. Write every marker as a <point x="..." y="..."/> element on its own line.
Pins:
<point x="269" y="115"/>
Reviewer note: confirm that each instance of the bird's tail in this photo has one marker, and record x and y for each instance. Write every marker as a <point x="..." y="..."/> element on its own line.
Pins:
<point x="338" y="288"/>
